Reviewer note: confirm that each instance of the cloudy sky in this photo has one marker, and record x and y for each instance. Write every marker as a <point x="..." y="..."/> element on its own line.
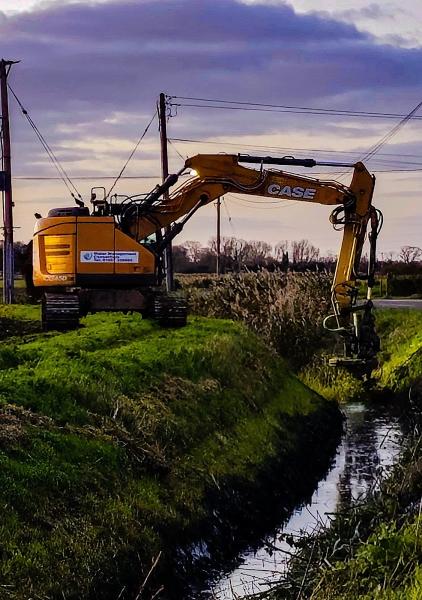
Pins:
<point x="91" y="72"/>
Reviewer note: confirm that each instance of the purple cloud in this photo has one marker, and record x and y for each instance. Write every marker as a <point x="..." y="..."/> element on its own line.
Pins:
<point x="83" y="62"/>
<point x="120" y="54"/>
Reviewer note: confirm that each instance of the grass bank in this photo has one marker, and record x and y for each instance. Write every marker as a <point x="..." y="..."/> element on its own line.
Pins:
<point x="401" y="355"/>
<point x="121" y="442"/>
<point x="400" y="361"/>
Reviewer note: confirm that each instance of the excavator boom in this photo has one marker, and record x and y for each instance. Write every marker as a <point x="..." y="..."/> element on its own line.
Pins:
<point x="217" y="174"/>
<point x="108" y="259"/>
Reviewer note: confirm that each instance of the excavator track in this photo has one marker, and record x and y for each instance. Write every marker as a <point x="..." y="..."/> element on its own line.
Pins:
<point x="170" y="310"/>
<point x="60" y="312"/>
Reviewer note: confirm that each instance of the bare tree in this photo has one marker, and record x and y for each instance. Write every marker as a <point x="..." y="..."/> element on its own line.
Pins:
<point x="388" y="256"/>
<point x="304" y="251"/>
<point x="234" y="252"/>
<point x="281" y="249"/>
<point x="409" y="254"/>
<point x="194" y="250"/>
<point x="257" y="253"/>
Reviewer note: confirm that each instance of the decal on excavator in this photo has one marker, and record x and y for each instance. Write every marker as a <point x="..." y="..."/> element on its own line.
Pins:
<point x="295" y="192"/>
<point x="57" y="277"/>
<point x="108" y="256"/>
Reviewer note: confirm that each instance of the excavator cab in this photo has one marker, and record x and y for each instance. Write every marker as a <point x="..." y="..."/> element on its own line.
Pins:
<point x="99" y="200"/>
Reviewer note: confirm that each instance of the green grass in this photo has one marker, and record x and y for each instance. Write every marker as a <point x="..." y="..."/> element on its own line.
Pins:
<point x="385" y="567"/>
<point x="18" y="284"/>
<point x="21" y="312"/>
<point x="112" y="436"/>
<point x="401" y="351"/>
<point x="400" y="360"/>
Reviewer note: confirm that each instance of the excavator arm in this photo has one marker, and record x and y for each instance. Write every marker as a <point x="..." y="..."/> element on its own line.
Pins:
<point x="219" y="174"/>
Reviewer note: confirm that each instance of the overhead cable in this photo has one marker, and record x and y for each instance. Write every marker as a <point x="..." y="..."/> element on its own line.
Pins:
<point x="157" y="176"/>
<point x="261" y="204"/>
<point x="261" y="107"/>
<point x="83" y="177"/>
<point x="376" y="147"/>
<point x="59" y="167"/>
<point x="228" y="215"/>
<point x="176" y="150"/>
<point x="297" y="112"/>
<point x="288" y="148"/>
<point x="131" y="154"/>
<point x="386" y="138"/>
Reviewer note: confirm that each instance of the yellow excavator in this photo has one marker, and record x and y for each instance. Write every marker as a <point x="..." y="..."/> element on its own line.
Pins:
<point x="110" y="258"/>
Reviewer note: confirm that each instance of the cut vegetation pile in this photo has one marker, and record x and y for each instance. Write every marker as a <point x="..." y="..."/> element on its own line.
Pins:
<point x="122" y="440"/>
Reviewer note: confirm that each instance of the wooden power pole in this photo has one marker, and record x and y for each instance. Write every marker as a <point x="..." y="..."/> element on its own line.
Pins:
<point x="168" y="255"/>
<point x="218" y="265"/>
<point x="6" y="187"/>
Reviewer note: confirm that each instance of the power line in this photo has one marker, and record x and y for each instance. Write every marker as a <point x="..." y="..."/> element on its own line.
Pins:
<point x="263" y="199"/>
<point x="176" y="150"/>
<point x="83" y="177"/>
<point x="285" y="106"/>
<point x="337" y="174"/>
<point x="60" y="169"/>
<point x="228" y="215"/>
<point x="297" y="112"/>
<point x="261" y="107"/>
<point x="288" y="148"/>
<point x="157" y="176"/>
<point x="386" y="138"/>
<point x="392" y="170"/>
<point x="391" y="133"/>
<point x="261" y="204"/>
<point x="131" y="154"/>
<point x="311" y="174"/>
<point x="396" y="170"/>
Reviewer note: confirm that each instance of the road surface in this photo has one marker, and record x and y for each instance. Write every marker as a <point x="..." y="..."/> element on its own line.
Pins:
<point x="402" y="303"/>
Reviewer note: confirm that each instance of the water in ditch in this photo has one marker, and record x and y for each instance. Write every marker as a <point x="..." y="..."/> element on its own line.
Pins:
<point x="369" y="447"/>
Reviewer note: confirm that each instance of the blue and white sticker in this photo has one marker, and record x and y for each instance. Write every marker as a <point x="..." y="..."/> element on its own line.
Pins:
<point x="109" y="256"/>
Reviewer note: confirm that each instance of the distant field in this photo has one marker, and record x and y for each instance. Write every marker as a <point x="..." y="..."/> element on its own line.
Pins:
<point x="19" y="283"/>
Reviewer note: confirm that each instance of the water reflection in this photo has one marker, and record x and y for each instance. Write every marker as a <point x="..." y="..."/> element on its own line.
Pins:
<point x="369" y="448"/>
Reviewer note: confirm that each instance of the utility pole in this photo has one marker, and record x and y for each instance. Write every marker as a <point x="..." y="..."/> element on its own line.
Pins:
<point x="218" y="269"/>
<point x="168" y="255"/>
<point x="6" y="188"/>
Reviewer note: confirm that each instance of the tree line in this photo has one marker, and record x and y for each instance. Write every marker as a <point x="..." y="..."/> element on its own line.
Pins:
<point x="237" y="254"/>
